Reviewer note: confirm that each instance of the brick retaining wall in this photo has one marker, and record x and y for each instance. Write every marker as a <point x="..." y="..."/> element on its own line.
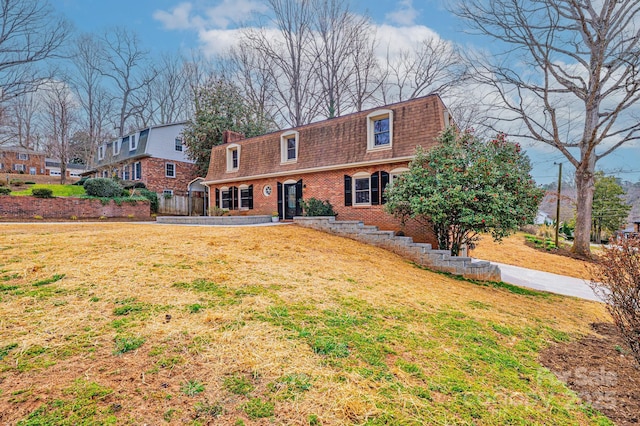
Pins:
<point x="26" y="207"/>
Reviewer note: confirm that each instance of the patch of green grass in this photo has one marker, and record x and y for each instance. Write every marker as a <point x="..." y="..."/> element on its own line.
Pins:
<point x="87" y="405"/>
<point x="170" y="362"/>
<point x="195" y="308"/>
<point x="57" y="190"/>
<point x="10" y="277"/>
<point x="290" y="386"/>
<point x="191" y="387"/>
<point x="258" y="409"/>
<point x="7" y="288"/>
<point x="126" y="344"/>
<point x="238" y="384"/>
<point x="128" y="309"/>
<point x="223" y="295"/>
<point x="4" y="351"/>
<point x="46" y="281"/>
<point x="205" y="410"/>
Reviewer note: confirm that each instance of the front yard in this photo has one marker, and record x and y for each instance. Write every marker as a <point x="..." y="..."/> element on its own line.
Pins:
<point x="136" y="323"/>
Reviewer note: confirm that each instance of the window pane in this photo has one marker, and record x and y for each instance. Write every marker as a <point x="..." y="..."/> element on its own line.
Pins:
<point x="291" y="148"/>
<point x="362" y="197"/>
<point x="381" y="125"/>
<point x="226" y="199"/>
<point x="244" y="198"/>
<point x="381" y="131"/>
<point x="362" y="184"/>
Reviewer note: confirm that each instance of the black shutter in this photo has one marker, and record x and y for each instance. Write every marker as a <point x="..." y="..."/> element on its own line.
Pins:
<point x="298" y="197"/>
<point x="250" y="197"/>
<point x="217" y="197"/>
<point x="384" y="181"/>
<point x="280" y="205"/>
<point x="375" y="189"/>
<point x="348" y="198"/>
<point x="235" y="197"/>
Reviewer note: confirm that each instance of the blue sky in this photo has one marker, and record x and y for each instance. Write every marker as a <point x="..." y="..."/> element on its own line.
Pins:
<point x="208" y="26"/>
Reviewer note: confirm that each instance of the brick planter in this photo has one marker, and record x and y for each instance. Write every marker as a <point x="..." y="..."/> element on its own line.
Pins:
<point x="26" y="207"/>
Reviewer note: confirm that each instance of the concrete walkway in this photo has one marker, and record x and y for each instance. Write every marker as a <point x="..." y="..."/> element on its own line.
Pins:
<point x="547" y="281"/>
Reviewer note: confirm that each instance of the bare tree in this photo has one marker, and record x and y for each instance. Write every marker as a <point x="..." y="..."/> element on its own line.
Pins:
<point x="569" y="76"/>
<point x="127" y="65"/>
<point x="59" y="119"/>
<point x="366" y="76"/>
<point x="286" y="52"/>
<point x="340" y="35"/>
<point x="170" y="90"/>
<point x="21" y="125"/>
<point x="29" y="33"/>
<point x="91" y="94"/>
<point x="432" y="66"/>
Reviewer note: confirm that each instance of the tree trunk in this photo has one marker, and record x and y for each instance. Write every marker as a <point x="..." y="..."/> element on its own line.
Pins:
<point x="585" y="186"/>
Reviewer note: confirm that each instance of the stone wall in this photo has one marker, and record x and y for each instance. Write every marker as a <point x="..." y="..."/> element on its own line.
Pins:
<point x="420" y="253"/>
<point x="26" y="207"/>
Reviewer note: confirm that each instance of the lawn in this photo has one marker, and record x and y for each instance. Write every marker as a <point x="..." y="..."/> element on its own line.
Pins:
<point x="513" y="251"/>
<point x="58" y="190"/>
<point x="159" y="324"/>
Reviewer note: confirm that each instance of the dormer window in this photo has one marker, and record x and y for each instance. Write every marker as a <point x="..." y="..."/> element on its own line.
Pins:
<point x="289" y="147"/>
<point x="233" y="157"/>
<point x="380" y="130"/>
<point x="101" y="150"/>
<point x="133" y="143"/>
<point x="116" y="147"/>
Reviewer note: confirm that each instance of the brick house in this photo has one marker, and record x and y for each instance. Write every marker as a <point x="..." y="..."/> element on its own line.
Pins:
<point x="16" y="159"/>
<point x="347" y="160"/>
<point x="154" y="156"/>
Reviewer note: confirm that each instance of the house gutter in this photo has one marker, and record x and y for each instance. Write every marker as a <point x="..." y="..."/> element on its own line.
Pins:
<point x="311" y="170"/>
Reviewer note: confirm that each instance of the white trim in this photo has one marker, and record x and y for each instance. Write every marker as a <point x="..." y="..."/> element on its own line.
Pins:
<point x="371" y="119"/>
<point x="398" y="170"/>
<point x="116" y="146"/>
<point x="230" y="149"/>
<point x="289" y="182"/>
<point x="356" y="177"/>
<point x="133" y="142"/>
<point x="101" y="150"/>
<point x="312" y="170"/>
<point x="284" y="148"/>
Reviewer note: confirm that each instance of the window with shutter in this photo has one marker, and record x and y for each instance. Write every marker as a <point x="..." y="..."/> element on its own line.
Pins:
<point x="348" y="196"/>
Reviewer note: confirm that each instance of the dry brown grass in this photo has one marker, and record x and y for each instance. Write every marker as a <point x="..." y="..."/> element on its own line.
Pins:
<point x="260" y="269"/>
<point x="514" y="251"/>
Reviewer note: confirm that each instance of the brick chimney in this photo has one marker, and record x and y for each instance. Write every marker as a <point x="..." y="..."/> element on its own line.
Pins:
<point x="229" y="136"/>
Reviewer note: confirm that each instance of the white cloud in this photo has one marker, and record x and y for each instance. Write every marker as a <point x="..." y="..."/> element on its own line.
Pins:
<point x="393" y="39"/>
<point x="225" y="14"/>
<point x="405" y="15"/>
<point x="177" y="19"/>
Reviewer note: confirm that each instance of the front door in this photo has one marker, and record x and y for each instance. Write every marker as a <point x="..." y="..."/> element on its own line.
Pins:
<point x="292" y="193"/>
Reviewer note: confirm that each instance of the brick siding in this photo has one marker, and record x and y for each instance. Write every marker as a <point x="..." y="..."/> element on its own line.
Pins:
<point x="9" y="158"/>
<point x="24" y="207"/>
<point x="154" y="175"/>
<point x="330" y="186"/>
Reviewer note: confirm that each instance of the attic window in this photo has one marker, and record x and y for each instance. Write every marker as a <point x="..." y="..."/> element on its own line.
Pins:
<point x="133" y="142"/>
<point x="289" y="147"/>
<point x="233" y="158"/>
<point x="380" y="129"/>
<point x="178" y="144"/>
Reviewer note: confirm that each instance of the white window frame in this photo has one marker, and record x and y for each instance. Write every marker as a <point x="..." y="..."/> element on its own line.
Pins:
<point x="116" y="146"/>
<point x="134" y="171"/>
<point x="180" y="144"/>
<point x="284" y="146"/>
<point x="167" y="192"/>
<point x="226" y="189"/>
<point x="393" y="174"/>
<point x="101" y="150"/>
<point x="371" y="119"/>
<point x="54" y="173"/>
<point x="166" y="170"/>
<point x="23" y="156"/>
<point x="356" y="177"/>
<point x="230" y="150"/>
<point x="240" y="189"/>
<point x="126" y="172"/>
<point x="133" y="142"/>
<point x="18" y="167"/>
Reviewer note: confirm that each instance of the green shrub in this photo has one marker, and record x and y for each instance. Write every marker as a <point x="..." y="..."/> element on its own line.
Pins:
<point x="4" y="190"/>
<point x="152" y="197"/>
<point x="102" y="187"/>
<point x="42" y="193"/>
<point x="29" y="183"/>
<point x="17" y="182"/>
<point x="315" y="207"/>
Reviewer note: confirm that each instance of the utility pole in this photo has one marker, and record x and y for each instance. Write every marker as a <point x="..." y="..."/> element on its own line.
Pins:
<point x="558" y="203"/>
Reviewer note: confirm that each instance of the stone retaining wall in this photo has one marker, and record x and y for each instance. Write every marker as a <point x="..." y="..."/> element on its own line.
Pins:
<point x="420" y="253"/>
<point x="26" y="207"/>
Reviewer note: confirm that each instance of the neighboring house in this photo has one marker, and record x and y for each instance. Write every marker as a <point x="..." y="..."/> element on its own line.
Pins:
<point x="348" y="161"/>
<point x="74" y="171"/>
<point x="16" y="159"/>
<point x="543" y="218"/>
<point x="155" y="156"/>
